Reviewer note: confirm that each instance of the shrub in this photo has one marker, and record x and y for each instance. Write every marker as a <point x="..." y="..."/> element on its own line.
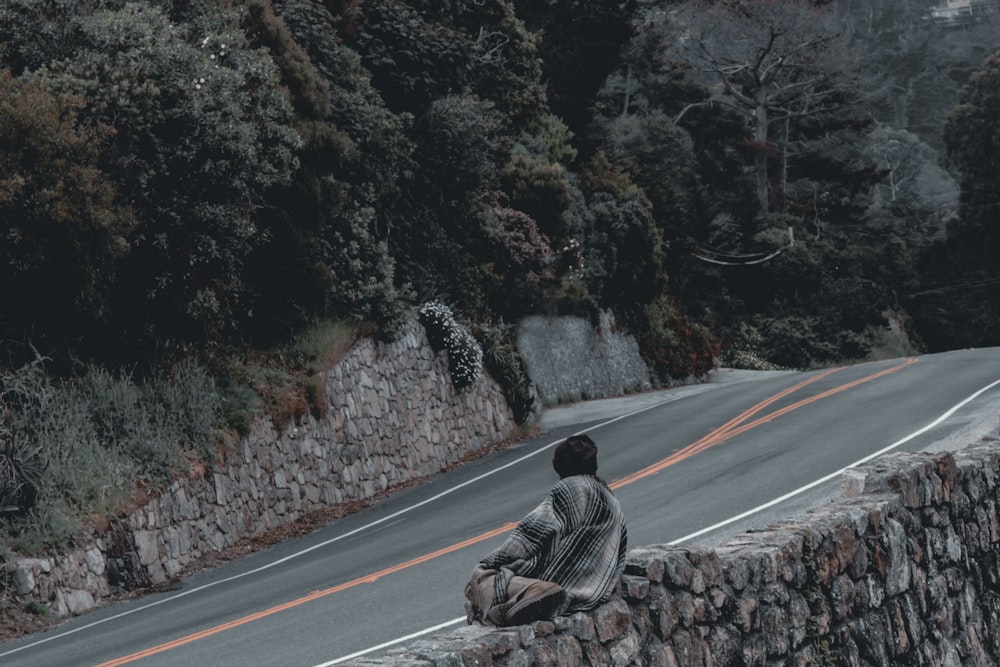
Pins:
<point x="540" y="188"/>
<point x="465" y="357"/>
<point x="99" y="437"/>
<point x="524" y="261"/>
<point x="506" y="365"/>
<point x="797" y="341"/>
<point x="624" y="258"/>
<point x="326" y="253"/>
<point x="745" y="351"/>
<point x="21" y="469"/>
<point x="674" y="347"/>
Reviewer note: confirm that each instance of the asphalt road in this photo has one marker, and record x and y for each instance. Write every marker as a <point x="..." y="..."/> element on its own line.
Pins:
<point x="693" y="464"/>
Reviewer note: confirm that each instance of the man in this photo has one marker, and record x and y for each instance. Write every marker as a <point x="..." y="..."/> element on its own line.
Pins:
<point x="564" y="556"/>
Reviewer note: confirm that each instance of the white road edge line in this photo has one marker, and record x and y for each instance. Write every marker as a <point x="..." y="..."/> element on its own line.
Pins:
<point x="405" y="510"/>
<point x="442" y="626"/>
<point x="721" y="524"/>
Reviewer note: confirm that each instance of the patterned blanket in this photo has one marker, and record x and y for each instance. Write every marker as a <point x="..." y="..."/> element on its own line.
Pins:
<point x="576" y="538"/>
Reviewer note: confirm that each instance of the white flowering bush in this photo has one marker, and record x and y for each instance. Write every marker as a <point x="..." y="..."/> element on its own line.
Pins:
<point x="465" y="357"/>
<point x="745" y="351"/>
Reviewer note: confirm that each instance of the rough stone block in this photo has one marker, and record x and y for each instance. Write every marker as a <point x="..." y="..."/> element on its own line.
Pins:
<point x="24" y="577"/>
<point x="146" y="546"/>
<point x="580" y="625"/>
<point x="611" y="619"/>
<point x="635" y="588"/>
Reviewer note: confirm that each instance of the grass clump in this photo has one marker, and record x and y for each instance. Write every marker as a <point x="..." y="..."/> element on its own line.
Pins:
<point x="285" y="382"/>
<point x="92" y="443"/>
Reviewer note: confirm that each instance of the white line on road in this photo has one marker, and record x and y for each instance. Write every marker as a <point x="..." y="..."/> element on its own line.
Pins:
<point x="721" y="524"/>
<point x="834" y="475"/>
<point x="415" y="635"/>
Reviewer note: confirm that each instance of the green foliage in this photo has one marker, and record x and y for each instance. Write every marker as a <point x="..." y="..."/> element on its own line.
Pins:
<point x="548" y="138"/>
<point x="623" y="246"/>
<point x="972" y="135"/>
<point x="457" y="136"/>
<point x="320" y="346"/>
<point x="674" y="347"/>
<point x="62" y="230"/>
<point x="308" y="90"/>
<point x="795" y="342"/>
<point x="418" y="53"/>
<point x="21" y="469"/>
<point x="958" y="304"/>
<point x="580" y="43"/>
<point x="33" y="32"/>
<point x="284" y="382"/>
<point x="91" y="440"/>
<point x="201" y="130"/>
<point x="745" y="350"/>
<point x="523" y="262"/>
<point x="441" y="244"/>
<point x="327" y="254"/>
<point x="413" y="60"/>
<point x="48" y="526"/>
<point x="915" y="198"/>
<point x="506" y="366"/>
<point x="658" y="156"/>
<point x="465" y="357"/>
<point x="540" y="188"/>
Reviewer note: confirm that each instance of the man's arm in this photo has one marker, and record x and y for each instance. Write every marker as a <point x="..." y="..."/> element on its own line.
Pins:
<point x="522" y="549"/>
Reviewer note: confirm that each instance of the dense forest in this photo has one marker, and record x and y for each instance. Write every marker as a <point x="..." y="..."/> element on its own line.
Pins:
<point x="770" y="183"/>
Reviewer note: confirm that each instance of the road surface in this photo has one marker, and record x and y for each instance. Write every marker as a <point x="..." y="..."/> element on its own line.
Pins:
<point x="693" y="464"/>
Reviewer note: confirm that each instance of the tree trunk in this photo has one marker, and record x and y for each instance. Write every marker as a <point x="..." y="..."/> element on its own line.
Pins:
<point x="760" y="156"/>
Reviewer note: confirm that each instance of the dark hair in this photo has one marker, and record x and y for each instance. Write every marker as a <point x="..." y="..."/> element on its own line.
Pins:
<point x="576" y="455"/>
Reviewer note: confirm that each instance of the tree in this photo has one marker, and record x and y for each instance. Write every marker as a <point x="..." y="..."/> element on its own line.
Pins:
<point x="959" y="303"/>
<point x="972" y="135"/>
<point x="326" y="253"/>
<point x="522" y="261"/>
<point x="418" y="52"/>
<point x="774" y="62"/>
<point x="201" y="131"/>
<point x="35" y="32"/>
<point x="580" y="45"/>
<point x="62" y="232"/>
<point x="659" y="157"/>
<point x="915" y="197"/>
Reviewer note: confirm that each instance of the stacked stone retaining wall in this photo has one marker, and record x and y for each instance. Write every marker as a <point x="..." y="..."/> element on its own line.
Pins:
<point x="903" y="569"/>
<point x="392" y="416"/>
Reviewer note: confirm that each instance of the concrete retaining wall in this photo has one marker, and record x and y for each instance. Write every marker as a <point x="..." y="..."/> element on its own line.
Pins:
<point x="904" y="569"/>
<point x="569" y="358"/>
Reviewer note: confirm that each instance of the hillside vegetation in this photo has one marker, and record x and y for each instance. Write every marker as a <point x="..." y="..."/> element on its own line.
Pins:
<point x="199" y="201"/>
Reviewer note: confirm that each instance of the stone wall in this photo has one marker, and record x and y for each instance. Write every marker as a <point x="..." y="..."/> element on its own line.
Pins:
<point x="569" y="358"/>
<point x="903" y="569"/>
<point x="392" y="416"/>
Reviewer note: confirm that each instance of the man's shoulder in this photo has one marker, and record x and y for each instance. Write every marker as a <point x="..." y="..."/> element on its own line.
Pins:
<point x="581" y="485"/>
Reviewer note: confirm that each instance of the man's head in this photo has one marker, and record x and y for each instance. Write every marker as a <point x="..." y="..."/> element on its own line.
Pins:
<point x="576" y="455"/>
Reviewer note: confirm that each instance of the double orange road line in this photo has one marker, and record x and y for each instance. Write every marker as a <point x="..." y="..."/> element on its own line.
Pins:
<point x="315" y="595"/>
<point x="733" y="427"/>
<point x="739" y="424"/>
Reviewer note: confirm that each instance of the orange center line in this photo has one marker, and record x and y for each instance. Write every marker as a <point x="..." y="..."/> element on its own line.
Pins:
<point x="315" y="595"/>
<point x="714" y="436"/>
<point x="733" y="427"/>
<point x="818" y="397"/>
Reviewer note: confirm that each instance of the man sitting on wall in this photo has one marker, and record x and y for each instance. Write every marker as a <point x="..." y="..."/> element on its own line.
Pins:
<point x="564" y="556"/>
